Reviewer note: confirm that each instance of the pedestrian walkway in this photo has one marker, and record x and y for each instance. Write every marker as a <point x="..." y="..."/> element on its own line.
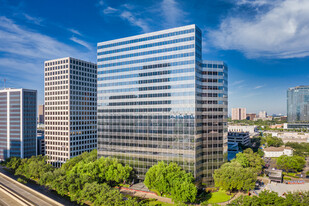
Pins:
<point x="145" y="195"/>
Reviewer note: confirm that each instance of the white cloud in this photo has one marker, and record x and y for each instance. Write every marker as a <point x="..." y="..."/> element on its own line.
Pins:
<point x="172" y="13"/>
<point x="255" y="2"/>
<point x="280" y="32"/>
<point x="26" y="43"/>
<point x="168" y="13"/>
<point x="81" y="42"/>
<point x="259" y="86"/>
<point x="24" y="51"/>
<point x="109" y="10"/>
<point x="136" y="21"/>
<point x="74" y="31"/>
<point x="236" y="83"/>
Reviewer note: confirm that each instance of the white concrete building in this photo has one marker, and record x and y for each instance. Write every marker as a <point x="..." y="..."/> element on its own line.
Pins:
<point x="252" y="129"/>
<point x="277" y="151"/>
<point x="70" y="108"/>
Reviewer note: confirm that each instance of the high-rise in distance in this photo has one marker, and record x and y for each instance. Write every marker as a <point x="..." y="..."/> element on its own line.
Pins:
<point x="298" y="104"/>
<point x="239" y="113"/>
<point x="70" y="108"/>
<point x="18" y="110"/>
<point x="158" y="100"/>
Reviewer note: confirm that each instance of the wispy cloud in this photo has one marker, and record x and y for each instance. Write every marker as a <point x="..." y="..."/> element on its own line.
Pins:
<point x="74" y="31"/>
<point x="167" y="12"/>
<point x="132" y="19"/>
<point x="81" y="42"/>
<point x="172" y="13"/>
<point x="34" y="20"/>
<point x="259" y="86"/>
<point x="255" y="2"/>
<point x="278" y="32"/>
<point x="20" y="41"/>
<point x="236" y="83"/>
<point x="109" y="10"/>
<point x="23" y="52"/>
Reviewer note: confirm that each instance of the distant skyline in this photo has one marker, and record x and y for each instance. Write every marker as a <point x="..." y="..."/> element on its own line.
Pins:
<point x="265" y="43"/>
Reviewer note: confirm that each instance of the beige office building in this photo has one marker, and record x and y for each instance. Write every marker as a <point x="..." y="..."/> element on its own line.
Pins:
<point x="239" y="113"/>
<point x="41" y="114"/>
<point x="70" y="108"/>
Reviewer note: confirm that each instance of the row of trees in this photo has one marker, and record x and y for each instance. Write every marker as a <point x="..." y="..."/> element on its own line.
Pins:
<point x="84" y="178"/>
<point x="272" y="198"/>
<point x="240" y="173"/>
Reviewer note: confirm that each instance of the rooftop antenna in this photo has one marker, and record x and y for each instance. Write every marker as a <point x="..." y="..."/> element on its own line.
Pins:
<point x="4" y="82"/>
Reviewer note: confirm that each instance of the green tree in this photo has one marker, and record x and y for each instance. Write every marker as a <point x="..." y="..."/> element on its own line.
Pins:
<point x="291" y="163"/>
<point x="232" y="176"/>
<point x="171" y="179"/>
<point x="273" y="141"/>
<point x="299" y="149"/>
<point x="250" y="159"/>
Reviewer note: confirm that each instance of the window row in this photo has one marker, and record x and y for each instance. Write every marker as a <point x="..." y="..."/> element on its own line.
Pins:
<point x="56" y="62"/>
<point x="175" y="94"/>
<point x="157" y="73"/>
<point x="152" y="66"/>
<point x="166" y="87"/>
<point x="147" y="38"/>
<point x="188" y="101"/>
<point x="148" y="81"/>
<point x="157" y="51"/>
<point x="166" y="57"/>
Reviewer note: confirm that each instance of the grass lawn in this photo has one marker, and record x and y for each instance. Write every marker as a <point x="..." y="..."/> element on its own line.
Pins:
<point x="217" y="197"/>
<point x="158" y="203"/>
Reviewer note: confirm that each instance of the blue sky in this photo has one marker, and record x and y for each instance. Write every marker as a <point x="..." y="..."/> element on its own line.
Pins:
<point x="264" y="42"/>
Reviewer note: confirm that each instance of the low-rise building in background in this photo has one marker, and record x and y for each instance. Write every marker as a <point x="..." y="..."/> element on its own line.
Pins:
<point x="252" y="129"/>
<point x="250" y="116"/>
<point x="242" y="138"/>
<point x="277" y="151"/>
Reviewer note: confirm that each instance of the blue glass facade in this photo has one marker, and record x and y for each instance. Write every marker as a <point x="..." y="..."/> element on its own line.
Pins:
<point x="298" y="104"/>
<point x="150" y="100"/>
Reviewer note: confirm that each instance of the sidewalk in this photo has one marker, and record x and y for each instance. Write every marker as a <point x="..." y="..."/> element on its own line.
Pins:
<point x="140" y="190"/>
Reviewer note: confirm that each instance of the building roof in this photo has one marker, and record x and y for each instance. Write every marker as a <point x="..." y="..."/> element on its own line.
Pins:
<point x="276" y="149"/>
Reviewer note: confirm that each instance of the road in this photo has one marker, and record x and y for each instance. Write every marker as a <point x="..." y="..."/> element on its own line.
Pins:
<point x="15" y="193"/>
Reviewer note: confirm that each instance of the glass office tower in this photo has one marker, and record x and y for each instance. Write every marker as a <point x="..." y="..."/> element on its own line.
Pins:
<point x="152" y="98"/>
<point x="18" y="109"/>
<point x="298" y="104"/>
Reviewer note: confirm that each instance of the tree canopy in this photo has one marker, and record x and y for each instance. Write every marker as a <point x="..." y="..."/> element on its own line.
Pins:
<point x="291" y="163"/>
<point x="250" y="159"/>
<point x="300" y="149"/>
<point x="171" y="179"/>
<point x="83" y="178"/>
<point x="232" y="176"/>
<point x="274" y="141"/>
